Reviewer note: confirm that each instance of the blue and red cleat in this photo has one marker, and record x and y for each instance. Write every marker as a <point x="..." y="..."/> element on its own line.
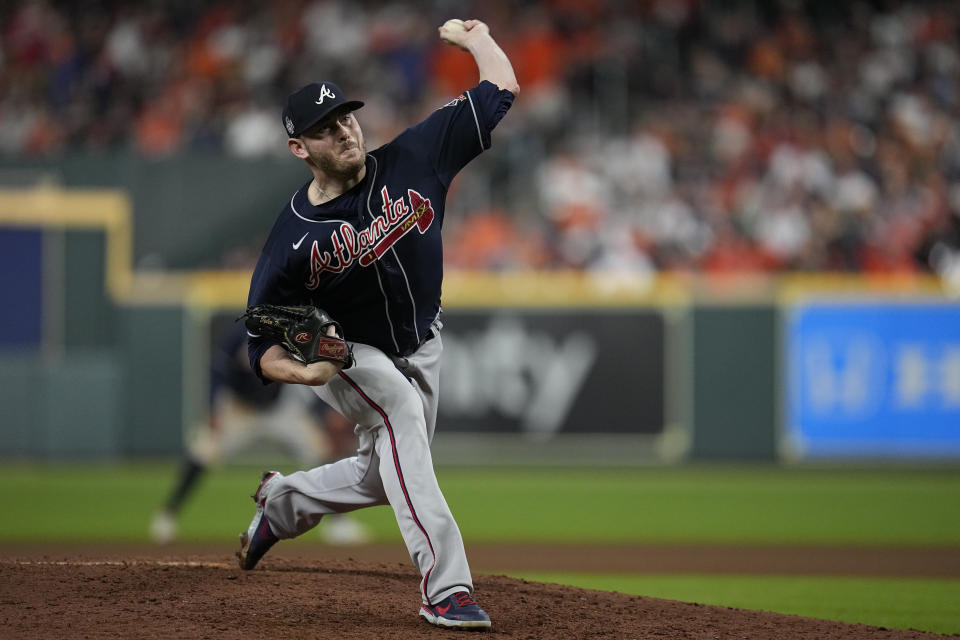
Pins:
<point x="258" y="538"/>
<point x="458" y="611"/>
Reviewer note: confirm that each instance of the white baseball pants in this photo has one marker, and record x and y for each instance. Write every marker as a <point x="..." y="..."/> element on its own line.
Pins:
<point x="394" y="403"/>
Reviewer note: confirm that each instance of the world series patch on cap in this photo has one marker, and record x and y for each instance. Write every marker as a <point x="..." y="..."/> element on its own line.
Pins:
<point x="310" y="104"/>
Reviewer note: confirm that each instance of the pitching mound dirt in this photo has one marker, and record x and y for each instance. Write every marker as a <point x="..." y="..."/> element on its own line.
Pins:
<point x="206" y="596"/>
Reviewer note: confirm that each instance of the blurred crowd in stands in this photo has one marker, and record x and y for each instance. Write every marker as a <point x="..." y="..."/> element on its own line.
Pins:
<point x="746" y="135"/>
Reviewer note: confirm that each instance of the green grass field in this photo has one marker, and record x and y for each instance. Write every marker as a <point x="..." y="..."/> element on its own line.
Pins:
<point x="724" y="505"/>
<point x="898" y="603"/>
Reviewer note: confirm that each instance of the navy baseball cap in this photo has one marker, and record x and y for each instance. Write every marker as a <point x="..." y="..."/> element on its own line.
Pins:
<point x="310" y="104"/>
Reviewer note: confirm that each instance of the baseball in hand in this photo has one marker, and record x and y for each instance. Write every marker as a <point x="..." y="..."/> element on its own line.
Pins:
<point x="455" y="24"/>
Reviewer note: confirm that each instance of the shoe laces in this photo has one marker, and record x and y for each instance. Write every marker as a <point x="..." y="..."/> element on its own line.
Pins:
<point x="463" y="599"/>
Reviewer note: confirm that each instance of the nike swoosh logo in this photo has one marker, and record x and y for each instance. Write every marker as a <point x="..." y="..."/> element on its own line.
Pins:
<point x="443" y="610"/>
<point x="296" y="245"/>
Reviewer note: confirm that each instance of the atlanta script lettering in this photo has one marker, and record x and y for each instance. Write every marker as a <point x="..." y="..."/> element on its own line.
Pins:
<point x="366" y="246"/>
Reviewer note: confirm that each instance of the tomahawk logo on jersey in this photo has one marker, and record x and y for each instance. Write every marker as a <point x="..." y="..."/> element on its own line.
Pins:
<point x="381" y="236"/>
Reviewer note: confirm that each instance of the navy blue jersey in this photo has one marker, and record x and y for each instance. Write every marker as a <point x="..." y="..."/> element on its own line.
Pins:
<point x="372" y="257"/>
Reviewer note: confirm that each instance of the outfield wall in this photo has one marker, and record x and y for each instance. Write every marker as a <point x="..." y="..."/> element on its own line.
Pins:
<point x="100" y="360"/>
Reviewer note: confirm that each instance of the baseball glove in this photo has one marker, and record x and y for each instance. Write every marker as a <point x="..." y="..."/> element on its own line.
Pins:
<point x="302" y="331"/>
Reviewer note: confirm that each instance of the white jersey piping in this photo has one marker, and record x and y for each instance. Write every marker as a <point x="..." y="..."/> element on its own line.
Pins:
<point x="386" y="300"/>
<point x="475" y="119"/>
<point x="386" y="308"/>
<point x="297" y="213"/>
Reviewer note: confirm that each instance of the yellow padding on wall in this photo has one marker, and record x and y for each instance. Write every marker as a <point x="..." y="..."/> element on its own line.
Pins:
<point x="109" y="210"/>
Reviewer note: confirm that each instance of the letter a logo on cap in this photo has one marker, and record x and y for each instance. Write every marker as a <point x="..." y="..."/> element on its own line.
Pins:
<point x="325" y="93"/>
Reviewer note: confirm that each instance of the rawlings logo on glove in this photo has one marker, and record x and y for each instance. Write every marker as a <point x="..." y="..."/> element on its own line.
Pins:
<point x="302" y="330"/>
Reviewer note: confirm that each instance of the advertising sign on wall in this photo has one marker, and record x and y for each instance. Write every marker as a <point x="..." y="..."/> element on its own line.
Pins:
<point x="873" y="380"/>
<point x="553" y="371"/>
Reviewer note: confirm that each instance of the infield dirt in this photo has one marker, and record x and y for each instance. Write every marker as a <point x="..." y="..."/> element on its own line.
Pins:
<point x="192" y="592"/>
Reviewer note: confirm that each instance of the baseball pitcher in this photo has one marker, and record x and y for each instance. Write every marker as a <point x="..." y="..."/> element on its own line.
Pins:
<point x="346" y="299"/>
